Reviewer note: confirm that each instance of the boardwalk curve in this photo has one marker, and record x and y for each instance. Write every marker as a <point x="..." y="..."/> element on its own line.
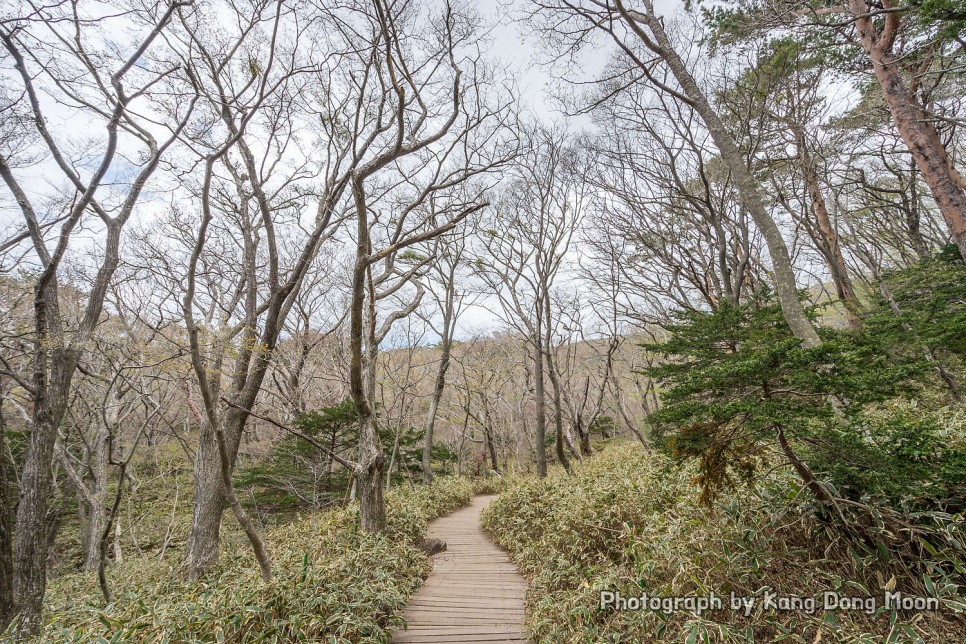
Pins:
<point x="474" y="593"/>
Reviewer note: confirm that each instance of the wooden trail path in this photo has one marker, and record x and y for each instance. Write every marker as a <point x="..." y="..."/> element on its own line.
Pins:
<point x="474" y="593"/>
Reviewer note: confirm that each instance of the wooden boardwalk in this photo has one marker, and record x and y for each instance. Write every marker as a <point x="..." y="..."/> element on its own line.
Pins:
<point x="474" y="593"/>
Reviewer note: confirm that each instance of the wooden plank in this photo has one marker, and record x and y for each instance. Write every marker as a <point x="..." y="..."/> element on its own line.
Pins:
<point x="474" y="593"/>
<point x="503" y="629"/>
<point x="465" y="602"/>
<point x="461" y="612"/>
<point x="406" y="638"/>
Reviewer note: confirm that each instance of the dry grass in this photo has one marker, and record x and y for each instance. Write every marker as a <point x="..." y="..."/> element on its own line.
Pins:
<point x="628" y="521"/>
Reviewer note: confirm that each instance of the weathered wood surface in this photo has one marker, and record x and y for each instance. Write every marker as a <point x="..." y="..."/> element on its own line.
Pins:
<point x="474" y="593"/>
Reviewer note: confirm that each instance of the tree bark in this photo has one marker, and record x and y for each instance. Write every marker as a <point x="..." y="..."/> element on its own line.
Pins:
<point x="6" y="540"/>
<point x="102" y="537"/>
<point x="258" y="546"/>
<point x="491" y="447"/>
<point x="828" y="238"/>
<point x="541" y="404"/>
<point x="96" y="515"/>
<point x="370" y="467"/>
<point x="804" y="471"/>
<point x="369" y="474"/>
<point x="438" y="387"/>
<point x="204" y="538"/>
<point x="584" y="434"/>
<point x="920" y="136"/>
<point x="783" y="275"/>
<point x="51" y="382"/>
<point x="557" y="403"/>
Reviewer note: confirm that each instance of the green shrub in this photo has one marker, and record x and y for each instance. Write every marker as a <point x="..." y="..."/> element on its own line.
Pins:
<point x="296" y="474"/>
<point x="901" y="453"/>
<point x="927" y="310"/>
<point x="628" y="521"/>
<point x="332" y="582"/>
<point x="737" y="386"/>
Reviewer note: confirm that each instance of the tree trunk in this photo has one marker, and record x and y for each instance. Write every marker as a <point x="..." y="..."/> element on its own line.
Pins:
<point x="828" y="238"/>
<point x="118" y="551"/>
<point x="226" y="463"/>
<point x="917" y="132"/>
<point x="30" y="553"/>
<point x="804" y="471"/>
<point x="96" y="515"/>
<point x="913" y="218"/>
<point x="30" y="541"/>
<point x="438" y="388"/>
<point x="783" y="275"/>
<point x="102" y="538"/>
<point x="369" y="474"/>
<point x="491" y="447"/>
<point x="204" y="535"/>
<point x="392" y="455"/>
<point x="92" y="543"/>
<point x="557" y="412"/>
<point x="6" y="540"/>
<point x="541" y="404"/>
<point x="210" y="496"/>
<point x="584" y="434"/>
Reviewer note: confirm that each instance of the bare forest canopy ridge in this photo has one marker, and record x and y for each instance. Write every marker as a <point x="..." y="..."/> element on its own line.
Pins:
<point x="270" y="269"/>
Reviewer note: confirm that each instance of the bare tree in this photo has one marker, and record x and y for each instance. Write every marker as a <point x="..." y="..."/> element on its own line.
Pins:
<point x="60" y="57"/>
<point x="668" y="217"/>
<point x="779" y="94"/>
<point x="524" y="248"/>
<point x="445" y="280"/>
<point x="121" y="387"/>
<point x="437" y="133"/>
<point x="640" y="36"/>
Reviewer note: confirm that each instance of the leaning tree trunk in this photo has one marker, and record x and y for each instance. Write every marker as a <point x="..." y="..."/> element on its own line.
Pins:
<point x="828" y="238"/>
<point x="258" y="545"/>
<point x="783" y="276"/>
<point x="830" y="246"/>
<point x="917" y="131"/>
<point x="816" y="487"/>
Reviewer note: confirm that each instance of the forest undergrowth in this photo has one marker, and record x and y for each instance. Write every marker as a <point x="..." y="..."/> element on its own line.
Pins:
<point x="628" y="521"/>
<point x="332" y="583"/>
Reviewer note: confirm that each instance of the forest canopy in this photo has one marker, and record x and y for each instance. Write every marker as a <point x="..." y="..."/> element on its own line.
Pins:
<point x="283" y="280"/>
